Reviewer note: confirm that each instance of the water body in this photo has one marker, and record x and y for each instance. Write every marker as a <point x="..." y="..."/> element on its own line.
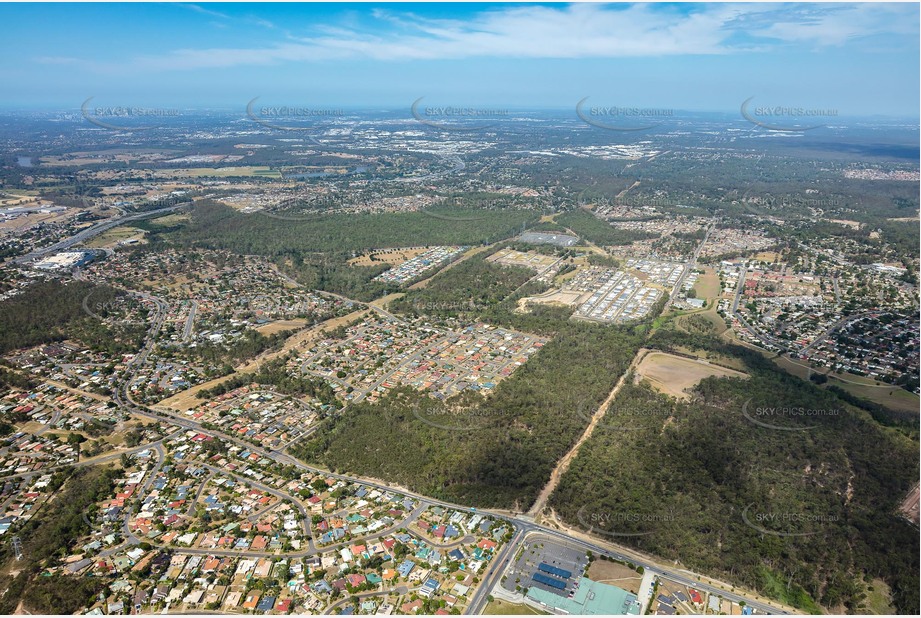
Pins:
<point x="24" y="161"/>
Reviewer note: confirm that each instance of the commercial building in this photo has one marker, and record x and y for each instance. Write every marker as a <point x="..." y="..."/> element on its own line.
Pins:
<point x="590" y="599"/>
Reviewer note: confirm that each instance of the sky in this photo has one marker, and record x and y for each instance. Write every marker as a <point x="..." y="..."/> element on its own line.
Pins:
<point x="857" y="59"/>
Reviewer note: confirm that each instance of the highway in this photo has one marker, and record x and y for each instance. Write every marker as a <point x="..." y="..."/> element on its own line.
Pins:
<point x="90" y="232"/>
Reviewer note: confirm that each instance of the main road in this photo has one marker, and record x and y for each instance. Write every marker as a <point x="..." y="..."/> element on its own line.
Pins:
<point x="93" y="230"/>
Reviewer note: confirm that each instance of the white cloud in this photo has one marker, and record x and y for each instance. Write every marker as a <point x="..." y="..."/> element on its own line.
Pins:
<point x="830" y="25"/>
<point x="204" y="11"/>
<point x="576" y="31"/>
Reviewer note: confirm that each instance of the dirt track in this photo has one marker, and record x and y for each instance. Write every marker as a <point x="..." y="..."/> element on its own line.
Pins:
<point x="564" y="462"/>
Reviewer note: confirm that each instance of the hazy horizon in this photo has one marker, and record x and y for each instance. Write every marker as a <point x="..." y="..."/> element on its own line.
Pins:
<point x="858" y="59"/>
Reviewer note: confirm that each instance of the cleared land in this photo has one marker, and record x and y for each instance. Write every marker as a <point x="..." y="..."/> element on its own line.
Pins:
<point x="911" y="504"/>
<point x="768" y="256"/>
<point x="197" y="172"/>
<point x="892" y="397"/>
<point x="879" y="599"/>
<point x="553" y="297"/>
<point x="173" y="219"/>
<point x="25" y="221"/>
<point x="112" y="237"/>
<point x="675" y="375"/>
<point x="387" y="256"/>
<point x="615" y="574"/>
<point x="18" y="198"/>
<point x="279" y="325"/>
<point x="530" y="259"/>
<point x="499" y="607"/>
<point x="708" y="285"/>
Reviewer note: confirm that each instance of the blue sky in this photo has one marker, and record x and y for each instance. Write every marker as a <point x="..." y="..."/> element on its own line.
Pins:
<point x="860" y="59"/>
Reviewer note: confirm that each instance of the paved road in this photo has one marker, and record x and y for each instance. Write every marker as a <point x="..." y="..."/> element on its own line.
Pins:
<point x="92" y="231"/>
<point x="691" y="265"/>
<point x="398" y="590"/>
<point x="754" y="332"/>
<point x="831" y="329"/>
<point x="201" y="490"/>
<point x="681" y="576"/>
<point x="129" y="537"/>
<point x="310" y="551"/>
<point x="283" y="497"/>
<point x="54" y="419"/>
<point x="190" y="321"/>
<point x="494" y="574"/>
<point x="91" y="461"/>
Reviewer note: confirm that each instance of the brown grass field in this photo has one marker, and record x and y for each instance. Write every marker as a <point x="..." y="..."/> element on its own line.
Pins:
<point x="110" y="238"/>
<point x="198" y="172"/>
<point x="499" y="607"/>
<point x="768" y="256"/>
<point x="708" y="285"/>
<point x="676" y="375"/>
<point x="387" y="256"/>
<point x="615" y="574"/>
<point x="279" y="325"/>
<point x="897" y="399"/>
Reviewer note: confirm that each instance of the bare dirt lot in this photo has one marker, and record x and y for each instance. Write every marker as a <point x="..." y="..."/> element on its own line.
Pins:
<point x="279" y="325"/>
<point x="768" y="256"/>
<point x="676" y="375"/>
<point x="708" y="285"/>
<point x="387" y="256"/>
<point x="111" y="238"/>
<point x="529" y="259"/>
<point x="554" y="297"/>
<point x="615" y="574"/>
